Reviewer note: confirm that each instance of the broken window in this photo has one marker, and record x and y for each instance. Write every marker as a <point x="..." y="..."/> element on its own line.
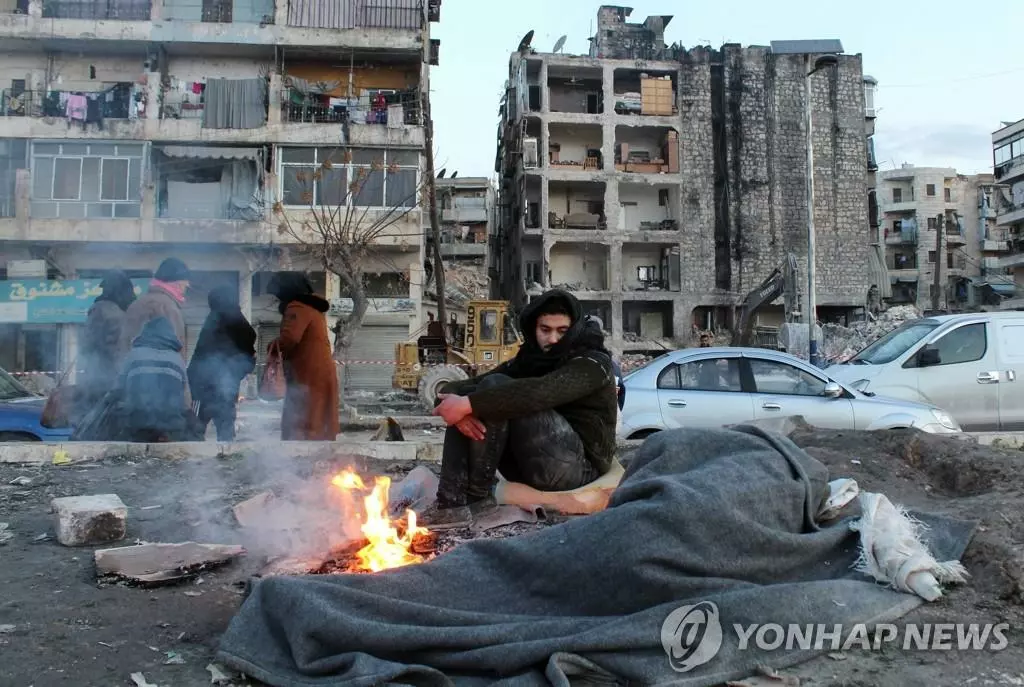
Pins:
<point x="948" y="194"/>
<point x="929" y="189"/>
<point x="897" y="195"/>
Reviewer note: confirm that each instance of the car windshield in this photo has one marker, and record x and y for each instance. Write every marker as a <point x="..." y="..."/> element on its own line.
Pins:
<point x="894" y="344"/>
<point x="10" y="389"/>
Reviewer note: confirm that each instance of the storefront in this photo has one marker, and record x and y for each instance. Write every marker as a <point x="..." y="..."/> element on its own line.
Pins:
<point x="39" y="321"/>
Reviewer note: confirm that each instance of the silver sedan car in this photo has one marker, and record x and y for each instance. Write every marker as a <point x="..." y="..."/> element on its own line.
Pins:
<point x="712" y="387"/>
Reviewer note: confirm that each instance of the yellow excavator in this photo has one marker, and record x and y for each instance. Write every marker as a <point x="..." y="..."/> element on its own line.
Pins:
<point x="489" y="338"/>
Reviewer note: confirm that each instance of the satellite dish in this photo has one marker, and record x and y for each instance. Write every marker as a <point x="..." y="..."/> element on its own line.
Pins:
<point x="559" y="44"/>
<point x="524" y="44"/>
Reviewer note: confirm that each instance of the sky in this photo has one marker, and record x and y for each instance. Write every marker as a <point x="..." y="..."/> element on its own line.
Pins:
<point x="949" y="72"/>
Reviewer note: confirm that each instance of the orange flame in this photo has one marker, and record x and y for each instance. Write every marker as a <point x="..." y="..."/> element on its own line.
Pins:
<point x="386" y="548"/>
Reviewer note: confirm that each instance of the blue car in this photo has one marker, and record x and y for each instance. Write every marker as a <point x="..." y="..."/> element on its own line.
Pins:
<point x="20" y="412"/>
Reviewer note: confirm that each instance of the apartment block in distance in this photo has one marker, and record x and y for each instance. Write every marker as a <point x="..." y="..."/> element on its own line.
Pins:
<point x="663" y="184"/>
<point x="134" y="130"/>
<point x="1008" y="159"/>
<point x="913" y="201"/>
<point x="466" y="209"/>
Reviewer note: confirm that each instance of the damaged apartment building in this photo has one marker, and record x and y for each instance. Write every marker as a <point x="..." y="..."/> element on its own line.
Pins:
<point x="135" y="130"/>
<point x="664" y="184"/>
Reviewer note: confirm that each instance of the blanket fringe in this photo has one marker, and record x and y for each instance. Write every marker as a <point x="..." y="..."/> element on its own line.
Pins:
<point x="892" y="550"/>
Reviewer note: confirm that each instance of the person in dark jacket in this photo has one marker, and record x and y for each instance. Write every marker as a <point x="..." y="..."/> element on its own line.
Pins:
<point x="224" y="355"/>
<point x="546" y="418"/>
<point x="311" y="405"/>
<point x="153" y="386"/>
<point x="100" y="353"/>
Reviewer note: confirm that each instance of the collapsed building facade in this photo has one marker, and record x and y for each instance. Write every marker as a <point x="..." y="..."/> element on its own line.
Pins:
<point x="663" y="184"/>
<point x="134" y="130"/>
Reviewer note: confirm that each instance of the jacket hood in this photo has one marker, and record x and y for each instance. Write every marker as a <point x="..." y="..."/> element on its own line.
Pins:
<point x="528" y="318"/>
<point x="118" y="289"/>
<point x="223" y="299"/>
<point x="159" y="334"/>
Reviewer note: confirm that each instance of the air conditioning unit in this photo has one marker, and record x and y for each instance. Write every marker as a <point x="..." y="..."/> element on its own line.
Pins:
<point x="531" y="159"/>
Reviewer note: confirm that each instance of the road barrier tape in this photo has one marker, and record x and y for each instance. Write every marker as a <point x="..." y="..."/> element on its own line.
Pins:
<point x="392" y="363"/>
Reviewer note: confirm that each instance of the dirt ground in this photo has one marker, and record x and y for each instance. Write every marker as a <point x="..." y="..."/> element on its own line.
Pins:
<point x="71" y="629"/>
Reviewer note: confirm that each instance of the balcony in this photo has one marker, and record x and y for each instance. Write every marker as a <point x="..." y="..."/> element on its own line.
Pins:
<point x="955" y="238"/>
<point x="897" y="238"/>
<point x="64" y="24"/>
<point x="902" y="207"/>
<point x="466" y="215"/>
<point x="1010" y="214"/>
<point x="900" y="262"/>
<point x="990" y="246"/>
<point x="40" y="115"/>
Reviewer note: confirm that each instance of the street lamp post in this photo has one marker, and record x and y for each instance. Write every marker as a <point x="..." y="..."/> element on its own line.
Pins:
<point x="812" y="312"/>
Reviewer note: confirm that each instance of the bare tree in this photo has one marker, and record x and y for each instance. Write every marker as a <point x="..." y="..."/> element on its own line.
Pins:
<point x="343" y="232"/>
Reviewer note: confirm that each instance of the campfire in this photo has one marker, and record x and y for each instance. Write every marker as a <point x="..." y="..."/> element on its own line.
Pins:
<point x="388" y="543"/>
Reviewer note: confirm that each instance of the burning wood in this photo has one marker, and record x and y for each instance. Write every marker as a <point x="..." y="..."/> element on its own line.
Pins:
<point x="389" y="543"/>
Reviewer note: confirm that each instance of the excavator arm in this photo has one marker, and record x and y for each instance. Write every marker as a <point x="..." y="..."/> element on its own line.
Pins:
<point x="781" y="282"/>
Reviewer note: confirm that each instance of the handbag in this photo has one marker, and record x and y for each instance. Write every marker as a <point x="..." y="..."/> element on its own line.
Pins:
<point x="272" y="384"/>
<point x="60" y="404"/>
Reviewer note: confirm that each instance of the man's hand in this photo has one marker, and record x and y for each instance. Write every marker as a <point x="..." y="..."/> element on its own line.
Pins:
<point x="453" y="408"/>
<point x="472" y="428"/>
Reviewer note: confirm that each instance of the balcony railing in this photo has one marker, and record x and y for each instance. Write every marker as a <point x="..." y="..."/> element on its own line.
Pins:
<point x="222" y="11"/>
<point x="123" y="10"/>
<point x="380" y="14"/>
<point x="400" y="110"/>
<point x="113" y="103"/>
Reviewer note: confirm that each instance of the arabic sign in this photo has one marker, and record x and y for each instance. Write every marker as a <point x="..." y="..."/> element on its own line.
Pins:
<point x="42" y="301"/>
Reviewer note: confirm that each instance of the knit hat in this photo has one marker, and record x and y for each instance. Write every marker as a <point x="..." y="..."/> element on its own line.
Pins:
<point x="172" y="269"/>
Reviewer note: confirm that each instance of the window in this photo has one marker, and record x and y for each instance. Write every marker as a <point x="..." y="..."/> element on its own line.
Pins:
<point x="947" y="194"/>
<point x="779" y="378"/>
<point x="933" y="223"/>
<point x="86" y="180"/>
<point x="713" y="374"/>
<point x="489" y="326"/>
<point x="949" y="259"/>
<point x="963" y="345"/>
<point x="508" y="331"/>
<point x="363" y="177"/>
<point x="897" y="195"/>
<point x="931" y="256"/>
<point x="929" y="190"/>
<point x="897" y="226"/>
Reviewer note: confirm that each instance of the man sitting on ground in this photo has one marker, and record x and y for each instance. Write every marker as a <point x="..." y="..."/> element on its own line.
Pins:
<point x="546" y="418"/>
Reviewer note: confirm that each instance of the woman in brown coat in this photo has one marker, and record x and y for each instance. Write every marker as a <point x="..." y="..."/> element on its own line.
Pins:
<point x="311" y="401"/>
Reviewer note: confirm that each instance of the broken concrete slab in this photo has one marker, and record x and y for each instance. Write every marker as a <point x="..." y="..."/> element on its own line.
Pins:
<point x="163" y="563"/>
<point x="90" y="520"/>
<point x="253" y="510"/>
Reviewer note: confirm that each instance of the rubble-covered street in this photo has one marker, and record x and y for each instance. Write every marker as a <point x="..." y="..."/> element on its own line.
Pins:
<point x="104" y="631"/>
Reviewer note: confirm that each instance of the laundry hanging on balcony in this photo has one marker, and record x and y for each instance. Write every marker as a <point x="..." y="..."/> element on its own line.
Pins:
<point x="235" y="103"/>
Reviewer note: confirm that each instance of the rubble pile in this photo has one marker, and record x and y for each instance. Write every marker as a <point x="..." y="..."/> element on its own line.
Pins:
<point x="465" y="282"/>
<point x="630" y="361"/>
<point x="840" y="343"/>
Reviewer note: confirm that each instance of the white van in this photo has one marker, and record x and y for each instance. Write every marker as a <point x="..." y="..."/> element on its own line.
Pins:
<point x="967" y="365"/>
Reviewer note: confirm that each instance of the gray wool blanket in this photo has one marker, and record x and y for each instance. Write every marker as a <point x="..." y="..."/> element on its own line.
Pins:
<point x="722" y="516"/>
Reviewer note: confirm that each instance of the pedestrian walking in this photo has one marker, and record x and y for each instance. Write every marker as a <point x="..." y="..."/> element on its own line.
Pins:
<point x="311" y="404"/>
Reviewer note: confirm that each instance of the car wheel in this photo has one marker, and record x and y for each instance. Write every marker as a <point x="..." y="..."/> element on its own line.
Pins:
<point x="18" y="436"/>
<point x="643" y="434"/>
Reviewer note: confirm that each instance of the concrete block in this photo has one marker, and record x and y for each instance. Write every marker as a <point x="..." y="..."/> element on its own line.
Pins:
<point x="90" y="520"/>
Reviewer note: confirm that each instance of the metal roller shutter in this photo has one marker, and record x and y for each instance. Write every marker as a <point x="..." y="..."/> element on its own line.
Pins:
<point x="373" y="343"/>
